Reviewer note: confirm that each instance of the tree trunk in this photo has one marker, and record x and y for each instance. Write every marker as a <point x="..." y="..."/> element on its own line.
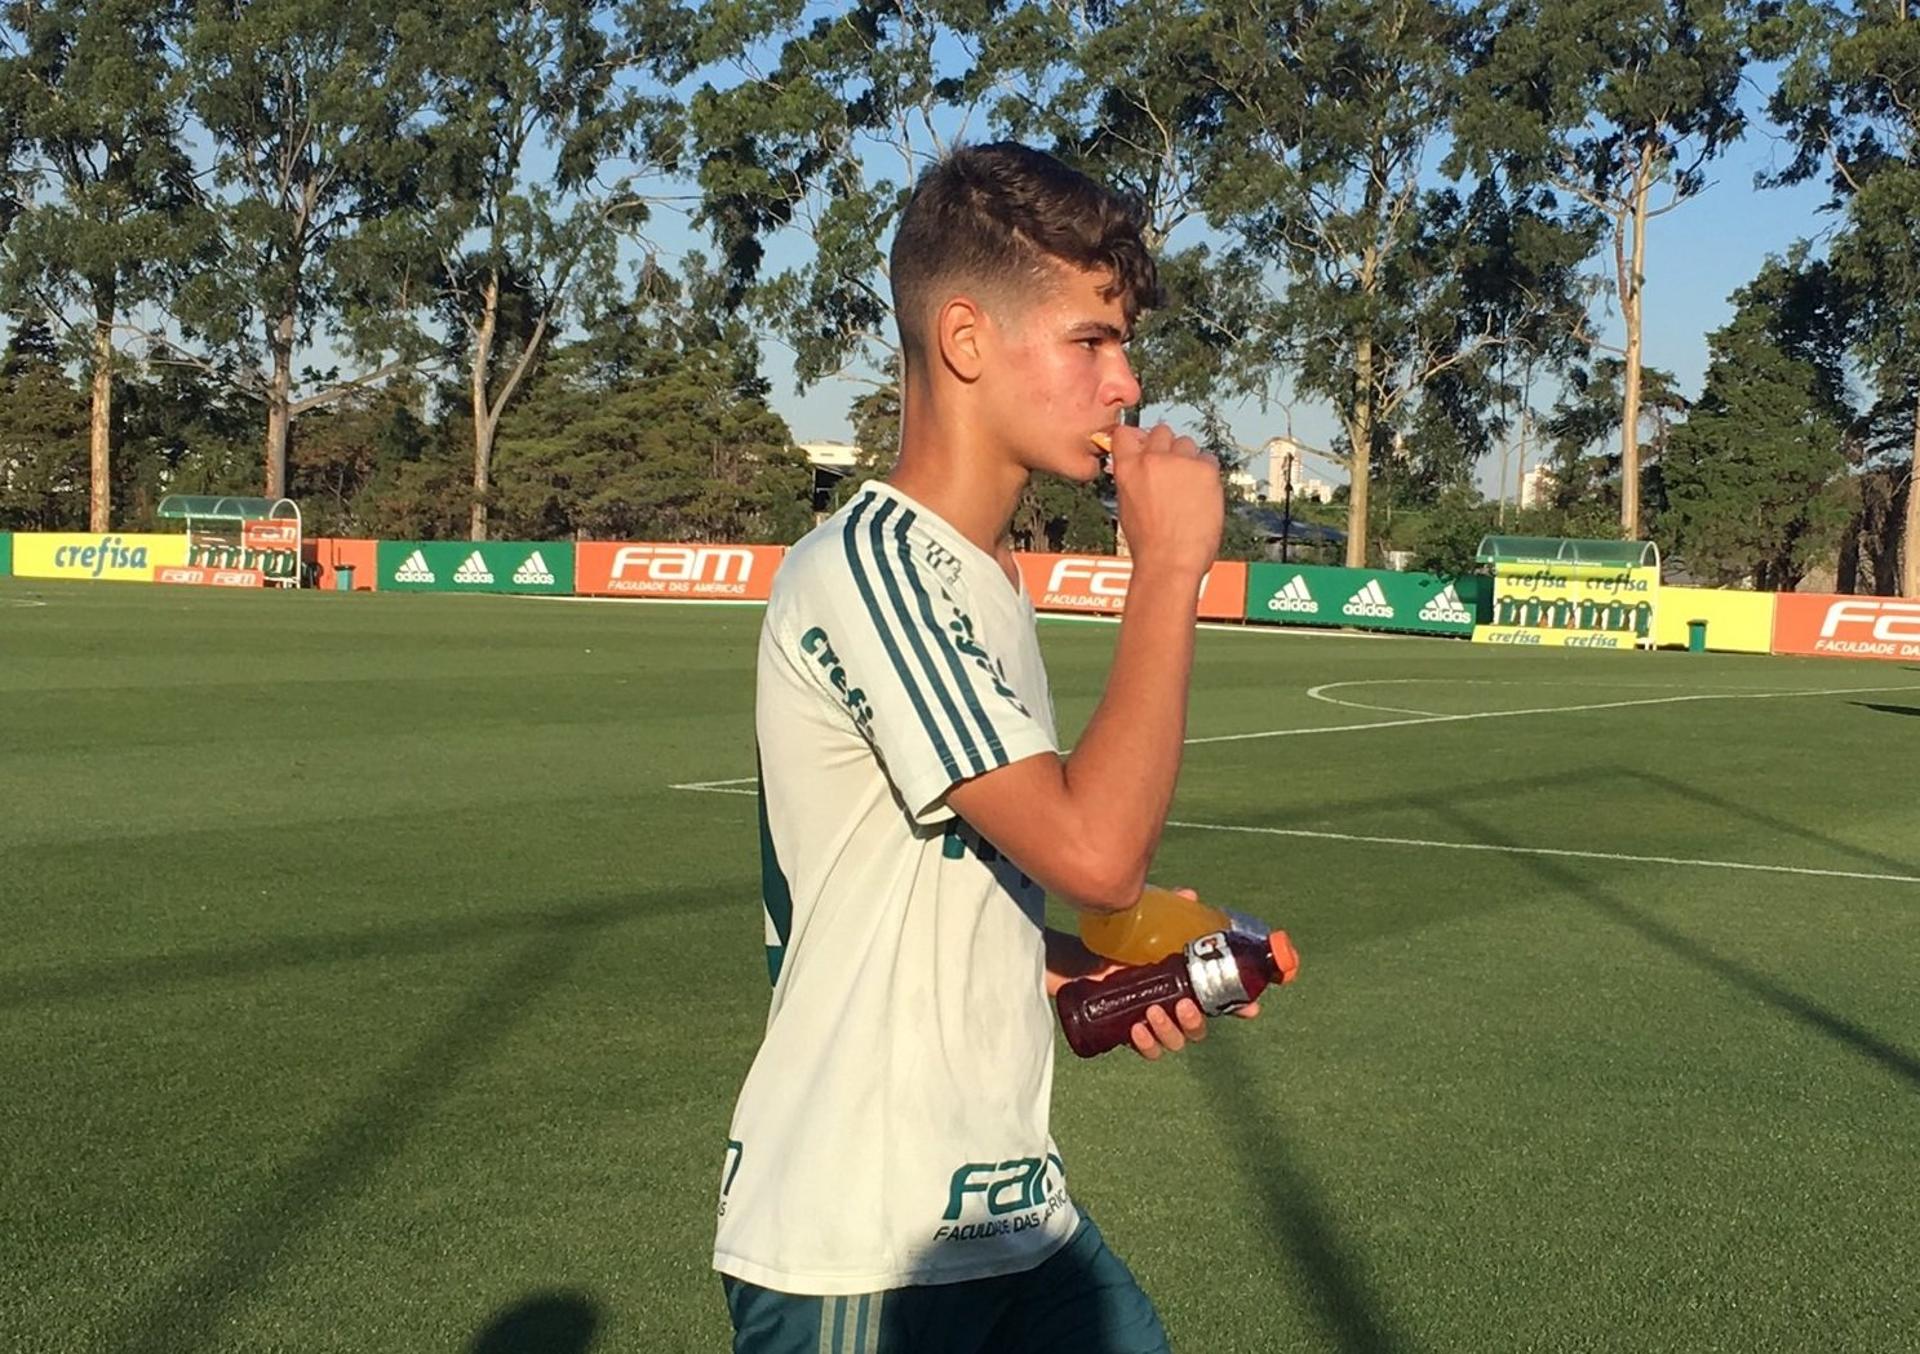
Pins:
<point x="280" y="405"/>
<point x="1847" y="572"/>
<point x="1631" y="315"/>
<point x="1360" y="436"/>
<point x="1910" y="537"/>
<point x="100" y="427"/>
<point x="483" y="424"/>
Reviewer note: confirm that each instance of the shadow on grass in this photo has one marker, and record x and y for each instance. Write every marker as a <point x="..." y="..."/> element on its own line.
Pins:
<point x="1773" y="823"/>
<point x="368" y="1134"/>
<point x="1853" y="1037"/>
<point x="125" y="977"/>
<point x="1887" y="709"/>
<point x="1350" y="1312"/>
<point x="546" y="1323"/>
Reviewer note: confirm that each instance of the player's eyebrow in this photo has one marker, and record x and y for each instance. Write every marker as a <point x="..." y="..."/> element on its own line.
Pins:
<point x="1100" y="329"/>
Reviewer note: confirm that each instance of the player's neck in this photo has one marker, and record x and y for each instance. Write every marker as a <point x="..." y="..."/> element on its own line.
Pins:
<point x="949" y="467"/>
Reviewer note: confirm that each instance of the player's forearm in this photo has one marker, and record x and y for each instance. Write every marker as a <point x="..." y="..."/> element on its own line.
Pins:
<point x="1121" y="773"/>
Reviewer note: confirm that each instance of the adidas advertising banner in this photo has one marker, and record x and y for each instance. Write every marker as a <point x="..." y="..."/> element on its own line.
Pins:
<point x="476" y="566"/>
<point x="125" y="559"/>
<point x="6" y="553"/>
<point x="1569" y="607"/>
<point x="1099" y="583"/>
<point x="1371" y="599"/>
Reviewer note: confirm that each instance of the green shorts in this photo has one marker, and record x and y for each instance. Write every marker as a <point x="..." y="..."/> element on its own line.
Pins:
<point x="1082" y="1300"/>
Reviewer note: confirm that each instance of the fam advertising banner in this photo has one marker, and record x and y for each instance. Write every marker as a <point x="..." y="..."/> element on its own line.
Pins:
<point x="330" y="554"/>
<point x="1571" y="606"/>
<point x="710" y="573"/>
<point x="1099" y="583"/>
<point x="209" y="576"/>
<point x="475" y="566"/>
<point x="1374" y="599"/>
<point x="125" y="559"/>
<point x="1825" y="626"/>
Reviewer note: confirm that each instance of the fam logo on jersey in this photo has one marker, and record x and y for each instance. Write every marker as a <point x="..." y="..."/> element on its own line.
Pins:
<point x="1446" y="608"/>
<point x="1002" y="1197"/>
<point x="1371" y="600"/>
<point x="1294" y="597"/>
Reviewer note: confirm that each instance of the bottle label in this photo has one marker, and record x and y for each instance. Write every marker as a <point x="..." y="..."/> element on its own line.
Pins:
<point x="1215" y="974"/>
<point x="1165" y="989"/>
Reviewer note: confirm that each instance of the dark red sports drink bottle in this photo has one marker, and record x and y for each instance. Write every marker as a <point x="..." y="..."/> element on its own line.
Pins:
<point x="1221" y="972"/>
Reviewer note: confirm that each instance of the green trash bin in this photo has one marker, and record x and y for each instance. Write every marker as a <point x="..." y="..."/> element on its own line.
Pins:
<point x="343" y="578"/>
<point x="1696" y="636"/>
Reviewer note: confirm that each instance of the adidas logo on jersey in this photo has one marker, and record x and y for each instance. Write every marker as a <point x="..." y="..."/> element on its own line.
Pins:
<point x="1446" y="607"/>
<point x="473" y="569"/>
<point x="413" y="569"/>
<point x="1369" y="601"/>
<point x="535" y="570"/>
<point x="1294" y="597"/>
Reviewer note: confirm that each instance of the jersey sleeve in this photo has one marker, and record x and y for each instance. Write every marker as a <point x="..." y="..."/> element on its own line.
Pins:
<point x="893" y="649"/>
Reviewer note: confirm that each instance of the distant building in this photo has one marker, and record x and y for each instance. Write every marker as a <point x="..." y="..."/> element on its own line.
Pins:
<point x="1287" y="463"/>
<point x="1535" y="486"/>
<point x="832" y="462"/>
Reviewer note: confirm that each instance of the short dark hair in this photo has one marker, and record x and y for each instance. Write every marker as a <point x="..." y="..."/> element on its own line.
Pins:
<point x="997" y="215"/>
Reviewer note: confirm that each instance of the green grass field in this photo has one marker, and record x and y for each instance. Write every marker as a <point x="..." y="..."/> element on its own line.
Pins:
<point x="367" y="985"/>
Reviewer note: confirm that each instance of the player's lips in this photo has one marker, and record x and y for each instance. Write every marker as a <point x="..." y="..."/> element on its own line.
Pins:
<point x="1104" y="441"/>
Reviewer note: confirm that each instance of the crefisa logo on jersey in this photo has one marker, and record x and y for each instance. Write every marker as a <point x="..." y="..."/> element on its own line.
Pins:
<point x="1000" y="1198"/>
<point x="815" y="644"/>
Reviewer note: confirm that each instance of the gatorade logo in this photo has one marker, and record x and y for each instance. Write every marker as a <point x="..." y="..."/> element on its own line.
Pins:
<point x="1294" y="597"/>
<point x="413" y="569"/>
<point x="1369" y="601"/>
<point x="473" y="570"/>
<point x="535" y="570"/>
<point x="1446" y="607"/>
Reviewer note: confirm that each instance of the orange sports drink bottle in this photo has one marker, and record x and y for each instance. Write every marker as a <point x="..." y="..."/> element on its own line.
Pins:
<point x="1161" y="923"/>
<point x="1222" y="972"/>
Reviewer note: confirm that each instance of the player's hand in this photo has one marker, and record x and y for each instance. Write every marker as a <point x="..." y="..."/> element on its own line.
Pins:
<point x="1170" y="500"/>
<point x="1162" y="1033"/>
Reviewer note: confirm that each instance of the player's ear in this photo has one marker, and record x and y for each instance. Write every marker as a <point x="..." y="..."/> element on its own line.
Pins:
<point x="960" y="332"/>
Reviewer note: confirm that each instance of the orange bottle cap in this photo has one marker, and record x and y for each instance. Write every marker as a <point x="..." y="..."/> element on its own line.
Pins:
<point x="1285" y="958"/>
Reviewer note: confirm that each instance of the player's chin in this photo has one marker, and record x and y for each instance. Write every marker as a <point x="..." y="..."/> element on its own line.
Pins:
<point x="1080" y="467"/>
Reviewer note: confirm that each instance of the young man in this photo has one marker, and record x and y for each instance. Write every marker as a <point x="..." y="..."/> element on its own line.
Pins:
<point x="890" y="1183"/>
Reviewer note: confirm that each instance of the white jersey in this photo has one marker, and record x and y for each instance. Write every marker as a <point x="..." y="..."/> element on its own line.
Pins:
<point x="893" y="1127"/>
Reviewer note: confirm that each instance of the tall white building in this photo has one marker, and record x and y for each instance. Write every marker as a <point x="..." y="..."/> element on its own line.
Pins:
<point x="1287" y="464"/>
<point x="1535" y="486"/>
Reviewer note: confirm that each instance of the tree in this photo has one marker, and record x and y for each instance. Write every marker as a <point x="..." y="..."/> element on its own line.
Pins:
<point x="655" y="426"/>
<point x="519" y="241"/>
<point x="312" y="113"/>
<point x="1586" y="416"/>
<point x="1334" y="119"/>
<point x="43" y="436"/>
<point x="1755" y="479"/>
<point x="1613" y="99"/>
<point x="87" y="95"/>
<point x="1849" y="100"/>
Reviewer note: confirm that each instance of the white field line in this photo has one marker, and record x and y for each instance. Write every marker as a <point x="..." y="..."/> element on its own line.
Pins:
<point x="720" y="787"/>
<point x="1319" y="692"/>
<point x="1546" y="851"/>
<point x="1543" y="710"/>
